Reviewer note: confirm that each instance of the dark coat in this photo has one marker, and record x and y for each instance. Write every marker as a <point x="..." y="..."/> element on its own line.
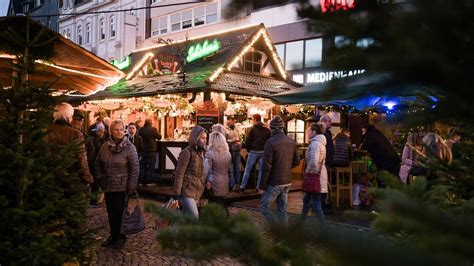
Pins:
<point x="257" y="136"/>
<point x="383" y="154"/>
<point x="149" y="137"/>
<point x="117" y="166"/>
<point x="138" y="142"/>
<point x="189" y="176"/>
<point x="329" y="147"/>
<point x="280" y="156"/>
<point x="63" y="134"/>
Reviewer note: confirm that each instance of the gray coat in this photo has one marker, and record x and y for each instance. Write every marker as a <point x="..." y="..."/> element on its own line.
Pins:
<point x="117" y="166"/>
<point x="218" y="166"/>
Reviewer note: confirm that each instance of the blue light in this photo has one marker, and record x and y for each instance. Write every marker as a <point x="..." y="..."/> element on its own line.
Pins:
<point x="434" y="99"/>
<point x="389" y="104"/>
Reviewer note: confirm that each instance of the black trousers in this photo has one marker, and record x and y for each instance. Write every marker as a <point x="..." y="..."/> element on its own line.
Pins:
<point x="115" y="202"/>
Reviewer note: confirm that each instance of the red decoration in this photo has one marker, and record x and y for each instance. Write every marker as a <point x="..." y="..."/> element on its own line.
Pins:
<point x="336" y="5"/>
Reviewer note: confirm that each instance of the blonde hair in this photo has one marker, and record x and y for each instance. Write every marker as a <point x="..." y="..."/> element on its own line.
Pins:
<point x="217" y="142"/>
<point x="63" y="111"/>
<point x="437" y="147"/>
<point x="114" y="123"/>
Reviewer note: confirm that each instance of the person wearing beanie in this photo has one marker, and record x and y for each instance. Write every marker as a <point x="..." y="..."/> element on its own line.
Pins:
<point x="255" y="143"/>
<point x="279" y="157"/>
<point x="189" y="176"/>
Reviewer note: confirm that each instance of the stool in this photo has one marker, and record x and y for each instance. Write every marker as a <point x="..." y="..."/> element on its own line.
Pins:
<point x="341" y="185"/>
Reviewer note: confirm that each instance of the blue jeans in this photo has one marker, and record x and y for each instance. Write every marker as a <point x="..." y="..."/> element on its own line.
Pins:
<point x="253" y="157"/>
<point x="147" y="168"/>
<point x="234" y="178"/>
<point x="313" y="200"/>
<point x="190" y="207"/>
<point x="280" y="194"/>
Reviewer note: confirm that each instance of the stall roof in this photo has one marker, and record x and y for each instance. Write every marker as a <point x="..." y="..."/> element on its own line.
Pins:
<point x="69" y="68"/>
<point x="217" y="71"/>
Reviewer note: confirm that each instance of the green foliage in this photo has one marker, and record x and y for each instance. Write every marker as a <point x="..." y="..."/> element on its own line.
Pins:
<point x="40" y="213"/>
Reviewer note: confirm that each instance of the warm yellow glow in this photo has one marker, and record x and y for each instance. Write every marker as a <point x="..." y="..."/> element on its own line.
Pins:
<point x="8" y="56"/>
<point x="197" y="37"/>
<point x="216" y="74"/>
<point x="137" y="67"/>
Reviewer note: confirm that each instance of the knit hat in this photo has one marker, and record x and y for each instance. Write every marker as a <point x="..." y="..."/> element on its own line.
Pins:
<point x="277" y="122"/>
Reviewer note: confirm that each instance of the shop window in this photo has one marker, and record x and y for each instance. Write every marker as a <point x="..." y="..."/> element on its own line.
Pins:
<point x="280" y="48"/>
<point x="294" y="55"/>
<point x="102" y="29"/>
<point x="295" y="129"/>
<point x="253" y="62"/>
<point x="313" y="52"/>
<point x="113" y="26"/>
<point x="79" y="35"/>
<point x="88" y="33"/>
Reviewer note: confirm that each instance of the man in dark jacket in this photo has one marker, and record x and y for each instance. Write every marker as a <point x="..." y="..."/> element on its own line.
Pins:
<point x="135" y="139"/>
<point x="280" y="156"/>
<point x="149" y="136"/>
<point x="327" y="123"/>
<point x="381" y="151"/>
<point x="255" y="143"/>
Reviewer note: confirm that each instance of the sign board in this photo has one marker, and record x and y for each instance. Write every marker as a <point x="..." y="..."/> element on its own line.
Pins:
<point x="122" y="64"/>
<point x="207" y="115"/>
<point x="200" y="50"/>
<point x="320" y="77"/>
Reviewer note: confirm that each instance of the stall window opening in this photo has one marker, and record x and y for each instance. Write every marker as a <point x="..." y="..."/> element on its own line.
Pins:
<point x="253" y="61"/>
<point x="295" y="129"/>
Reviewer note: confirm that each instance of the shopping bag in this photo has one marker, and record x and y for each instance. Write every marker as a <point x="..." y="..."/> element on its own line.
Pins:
<point x="132" y="222"/>
<point x="311" y="183"/>
<point x="162" y="222"/>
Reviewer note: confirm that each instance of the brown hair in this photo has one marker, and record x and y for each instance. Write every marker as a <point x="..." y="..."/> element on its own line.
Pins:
<point x="318" y="127"/>
<point x="257" y="117"/>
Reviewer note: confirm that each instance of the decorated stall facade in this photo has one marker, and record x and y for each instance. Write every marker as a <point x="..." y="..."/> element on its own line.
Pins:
<point x="197" y="81"/>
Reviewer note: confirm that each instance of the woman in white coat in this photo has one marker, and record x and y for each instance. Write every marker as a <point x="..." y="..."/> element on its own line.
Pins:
<point x="316" y="164"/>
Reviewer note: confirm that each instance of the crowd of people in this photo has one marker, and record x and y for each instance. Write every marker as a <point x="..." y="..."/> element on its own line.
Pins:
<point x="115" y="158"/>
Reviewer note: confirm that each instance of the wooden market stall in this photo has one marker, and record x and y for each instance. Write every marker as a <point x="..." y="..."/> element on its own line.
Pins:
<point x="197" y="81"/>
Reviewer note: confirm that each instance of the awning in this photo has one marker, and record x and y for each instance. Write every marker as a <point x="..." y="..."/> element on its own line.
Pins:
<point x="69" y="68"/>
<point x="360" y="92"/>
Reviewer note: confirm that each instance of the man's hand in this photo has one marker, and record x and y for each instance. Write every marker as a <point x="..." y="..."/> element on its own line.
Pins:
<point x="208" y="185"/>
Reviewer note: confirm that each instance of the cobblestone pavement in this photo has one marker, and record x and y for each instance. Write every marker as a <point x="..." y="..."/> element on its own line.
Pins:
<point x="139" y="249"/>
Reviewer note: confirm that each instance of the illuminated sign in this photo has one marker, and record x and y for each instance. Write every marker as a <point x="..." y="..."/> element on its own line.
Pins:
<point x="319" y="77"/>
<point x="123" y="63"/>
<point x="204" y="49"/>
<point x="336" y="5"/>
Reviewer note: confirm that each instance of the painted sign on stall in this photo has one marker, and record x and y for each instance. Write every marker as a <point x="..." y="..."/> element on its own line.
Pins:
<point x="122" y="64"/>
<point x="336" y="5"/>
<point x="203" y="49"/>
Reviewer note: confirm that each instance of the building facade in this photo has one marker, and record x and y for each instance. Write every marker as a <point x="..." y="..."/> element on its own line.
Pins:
<point x="43" y="11"/>
<point x="111" y="29"/>
<point x="301" y="51"/>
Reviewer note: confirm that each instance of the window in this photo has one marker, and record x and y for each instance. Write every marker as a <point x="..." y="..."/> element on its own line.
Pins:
<point x="280" y="48"/>
<point x="88" y="33"/>
<point x="155" y="25"/>
<point x="164" y="25"/>
<point x="26" y="7"/>
<point x="79" y="35"/>
<point x="68" y="33"/>
<point x="187" y="19"/>
<point x="252" y="62"/>
<point x="155" y="1"/>
<point x="341" y="41"/>
<point x="296" y="130"/>
<point x="113" y="26"/>
<point x="102" y="29"/>
<point x="38" y="3"/>
<point x="294" y="55"/>
<point x="211" y="13"/>
<point x="199" y="16"/>
<point x="175" y="22"/>
<point x="313" y="52"/>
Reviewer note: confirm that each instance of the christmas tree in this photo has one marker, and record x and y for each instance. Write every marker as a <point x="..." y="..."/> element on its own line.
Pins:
<point x="41" y="217"/>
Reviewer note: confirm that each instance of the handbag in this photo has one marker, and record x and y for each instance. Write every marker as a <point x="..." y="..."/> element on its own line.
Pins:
<point x="312" y="183"/>
<point x="132" y="222"/>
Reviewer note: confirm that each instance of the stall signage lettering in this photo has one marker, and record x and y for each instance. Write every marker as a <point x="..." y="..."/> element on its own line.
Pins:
<point x="122" y="64"/>
<point x="203" y="49"/>
<point x="319" y="77"/>
<point x="336" y="5"/>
